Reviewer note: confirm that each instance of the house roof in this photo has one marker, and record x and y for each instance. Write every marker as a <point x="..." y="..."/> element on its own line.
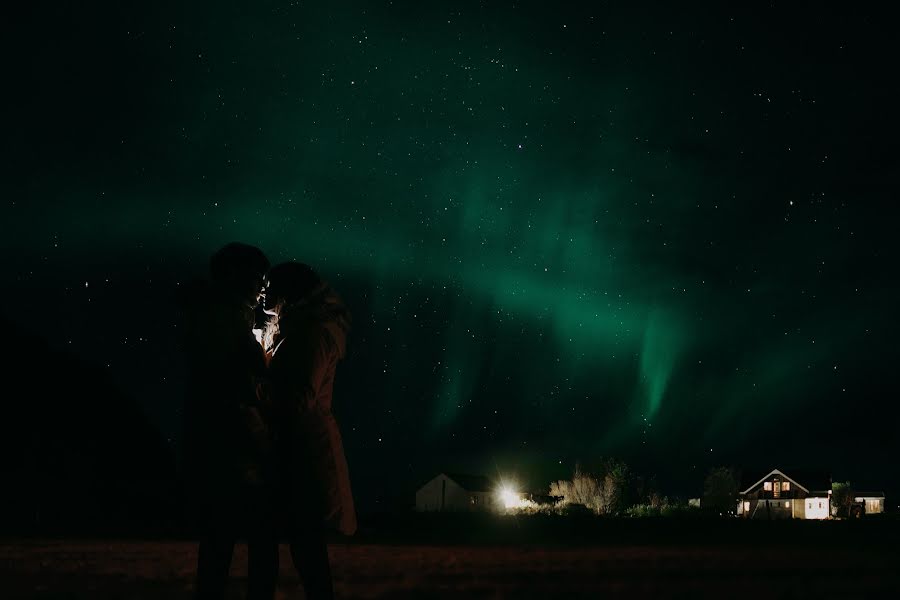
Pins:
<point x="472" y="483"/>
<point x="808" y="479"/>
<point x="868" y="494"/>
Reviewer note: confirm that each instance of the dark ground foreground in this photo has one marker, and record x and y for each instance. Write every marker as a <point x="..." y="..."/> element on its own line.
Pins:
<point x="762" y="560"/>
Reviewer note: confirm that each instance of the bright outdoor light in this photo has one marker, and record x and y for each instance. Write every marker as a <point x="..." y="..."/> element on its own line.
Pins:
<point x="510" y="498"/>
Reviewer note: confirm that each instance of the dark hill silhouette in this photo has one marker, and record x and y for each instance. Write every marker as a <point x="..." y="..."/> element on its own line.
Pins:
<point x="77" y="453"/>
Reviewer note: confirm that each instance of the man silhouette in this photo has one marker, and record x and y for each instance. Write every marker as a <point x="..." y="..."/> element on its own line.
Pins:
<point x="226" y="442"/>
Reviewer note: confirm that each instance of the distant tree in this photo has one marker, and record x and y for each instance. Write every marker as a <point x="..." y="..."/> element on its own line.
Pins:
<point x="560" y="489"/>
<point x="646" y="490"/>
<point x="841" y="498"/>
<point x="581" y="489"/>
<point x="614" y="488"/>
<point x="720" y="489"/>
<point x="585" y="489"/>
<point x="604" y="494"/>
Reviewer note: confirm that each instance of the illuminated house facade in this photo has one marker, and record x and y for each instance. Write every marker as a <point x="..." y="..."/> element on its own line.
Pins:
<point x="873" y="501"/>
<point x="457" y="492"/>
<point x="785" y="495"/>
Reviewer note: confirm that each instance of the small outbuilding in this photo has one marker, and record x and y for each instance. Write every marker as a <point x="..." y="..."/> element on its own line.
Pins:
<point x="874" y="501"/>
<point x="457" y="492"/>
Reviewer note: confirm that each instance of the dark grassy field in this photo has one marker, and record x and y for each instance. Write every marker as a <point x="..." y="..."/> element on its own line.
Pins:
<point x="466" y="557"/>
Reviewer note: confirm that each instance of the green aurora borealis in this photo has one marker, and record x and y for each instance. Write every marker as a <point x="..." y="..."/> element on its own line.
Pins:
<point x="564" y="233"/>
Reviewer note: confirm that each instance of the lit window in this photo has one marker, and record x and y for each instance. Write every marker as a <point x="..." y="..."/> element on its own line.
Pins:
<point x="746" y="506"/>
<point x="787" y="504"/>
<point x="767" y="486"/>
<point x="785" y="486"/>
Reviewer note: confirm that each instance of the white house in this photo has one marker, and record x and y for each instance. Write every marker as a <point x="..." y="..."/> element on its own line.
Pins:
<point x="874" y="501"/>
<point x="780" y="495"/>
<point x="457" y="492"/>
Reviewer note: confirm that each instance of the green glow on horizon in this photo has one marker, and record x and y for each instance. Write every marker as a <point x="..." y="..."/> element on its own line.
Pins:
<point x="584" y="242"/>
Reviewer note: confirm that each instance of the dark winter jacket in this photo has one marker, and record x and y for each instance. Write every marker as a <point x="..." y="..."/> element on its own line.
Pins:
<point x="226" y="443"/>
<point x="311" y="339"/>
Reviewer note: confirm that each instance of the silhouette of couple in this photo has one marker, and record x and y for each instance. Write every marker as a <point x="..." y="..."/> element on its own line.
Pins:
<point x="263" y="452"/>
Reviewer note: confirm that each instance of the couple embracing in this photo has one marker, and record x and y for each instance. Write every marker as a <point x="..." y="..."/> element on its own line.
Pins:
<point x="263" y="453"/>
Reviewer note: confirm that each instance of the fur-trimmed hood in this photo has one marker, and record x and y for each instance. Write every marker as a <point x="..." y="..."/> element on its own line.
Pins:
<point x="323" y="306"/>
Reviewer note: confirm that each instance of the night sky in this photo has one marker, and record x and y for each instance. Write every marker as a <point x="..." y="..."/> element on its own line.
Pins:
<point x="665" y="235"/>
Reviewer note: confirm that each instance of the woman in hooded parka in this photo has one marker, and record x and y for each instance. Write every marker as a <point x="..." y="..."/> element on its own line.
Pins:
<point x="310" y="330"/>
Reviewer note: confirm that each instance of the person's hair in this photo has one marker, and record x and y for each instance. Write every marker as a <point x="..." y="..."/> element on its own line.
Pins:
<point x="236" y="261"/>
<point x="292" y="281"/>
